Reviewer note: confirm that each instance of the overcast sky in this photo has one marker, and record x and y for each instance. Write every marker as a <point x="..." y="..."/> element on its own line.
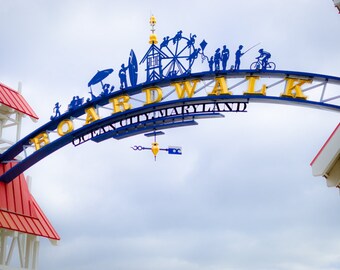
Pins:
<point x="242" y="195"/>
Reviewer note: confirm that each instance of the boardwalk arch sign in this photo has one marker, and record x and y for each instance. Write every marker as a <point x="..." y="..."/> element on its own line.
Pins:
<point x="172" y="94"/>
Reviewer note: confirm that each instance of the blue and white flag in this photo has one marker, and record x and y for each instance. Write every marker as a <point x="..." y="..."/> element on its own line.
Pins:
<point x="174" y="150"/>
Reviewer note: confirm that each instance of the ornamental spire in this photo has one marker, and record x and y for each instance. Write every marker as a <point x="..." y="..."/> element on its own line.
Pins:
<point x="153" y="37"/>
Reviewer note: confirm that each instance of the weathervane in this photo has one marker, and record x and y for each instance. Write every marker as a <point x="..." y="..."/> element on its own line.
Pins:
<point x="172" y="150"/>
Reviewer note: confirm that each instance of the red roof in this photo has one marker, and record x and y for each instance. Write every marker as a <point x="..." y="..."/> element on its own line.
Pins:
<point x="15" y="100"/>
<point x="19" y="211"/>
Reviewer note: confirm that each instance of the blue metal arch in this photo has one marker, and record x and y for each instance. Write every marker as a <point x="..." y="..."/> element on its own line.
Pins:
<point x="46" y="150"/>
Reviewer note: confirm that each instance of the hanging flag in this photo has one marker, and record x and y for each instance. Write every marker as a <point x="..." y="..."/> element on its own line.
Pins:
<point x="174" y="150"/>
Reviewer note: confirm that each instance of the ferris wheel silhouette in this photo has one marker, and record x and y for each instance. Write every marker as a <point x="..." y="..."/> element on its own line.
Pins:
<point x="181" y="54"/>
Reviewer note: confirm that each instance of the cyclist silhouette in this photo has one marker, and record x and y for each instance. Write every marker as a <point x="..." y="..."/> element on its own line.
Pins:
<point x="264" y="57"/>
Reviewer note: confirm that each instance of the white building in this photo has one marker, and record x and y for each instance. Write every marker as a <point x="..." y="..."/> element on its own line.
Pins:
<point x="327" y="162"/>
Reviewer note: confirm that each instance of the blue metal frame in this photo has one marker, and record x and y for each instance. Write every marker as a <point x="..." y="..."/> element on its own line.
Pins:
<point x="171" y="62"/>
<point x="16" y="149"/>
<point x="103" y="100"/>
<point x="162" y="123"/>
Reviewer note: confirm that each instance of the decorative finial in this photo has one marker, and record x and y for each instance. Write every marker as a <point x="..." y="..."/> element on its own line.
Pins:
<point x="153" y="37"/>
<point x="155" y="149"/>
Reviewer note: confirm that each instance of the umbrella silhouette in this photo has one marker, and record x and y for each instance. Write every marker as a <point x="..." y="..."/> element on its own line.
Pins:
<point x="100" y="75"/>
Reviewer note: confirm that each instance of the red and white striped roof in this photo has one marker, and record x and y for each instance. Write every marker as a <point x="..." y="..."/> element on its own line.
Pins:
<point x="19" y="211"/>
<point x="16" y="101"/>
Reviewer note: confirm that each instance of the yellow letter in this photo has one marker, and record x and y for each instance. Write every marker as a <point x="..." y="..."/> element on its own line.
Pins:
<point x="295" y="84"/>
<point x="150" y="95"/>
<point x="69" y="125"/>
<point x="91" y="115"/>
<point x="220" y="87"/>
<point x="251" y="86"/>
<point x="40" y="140"/>
<point x="185" y="87"/>
<point x="120" y="104"/>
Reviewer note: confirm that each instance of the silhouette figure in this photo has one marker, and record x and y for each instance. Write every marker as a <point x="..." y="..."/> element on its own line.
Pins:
<point x="225" y="57"/>
<point x="122" y="76"/>
<point x="191" y="40"/>
<point x="217" y="58"/>
<point x="178" y="37"/>
<point x="75" y="102"/>
<point x="211" y="63"/>
<point x="238" y="56"/>
<point x="194" y="55"/>
<point x="106" y="89"/>
<point x="165" y="42"/>
<point x="264" y="57"/>
<point x="56" y="111"/>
